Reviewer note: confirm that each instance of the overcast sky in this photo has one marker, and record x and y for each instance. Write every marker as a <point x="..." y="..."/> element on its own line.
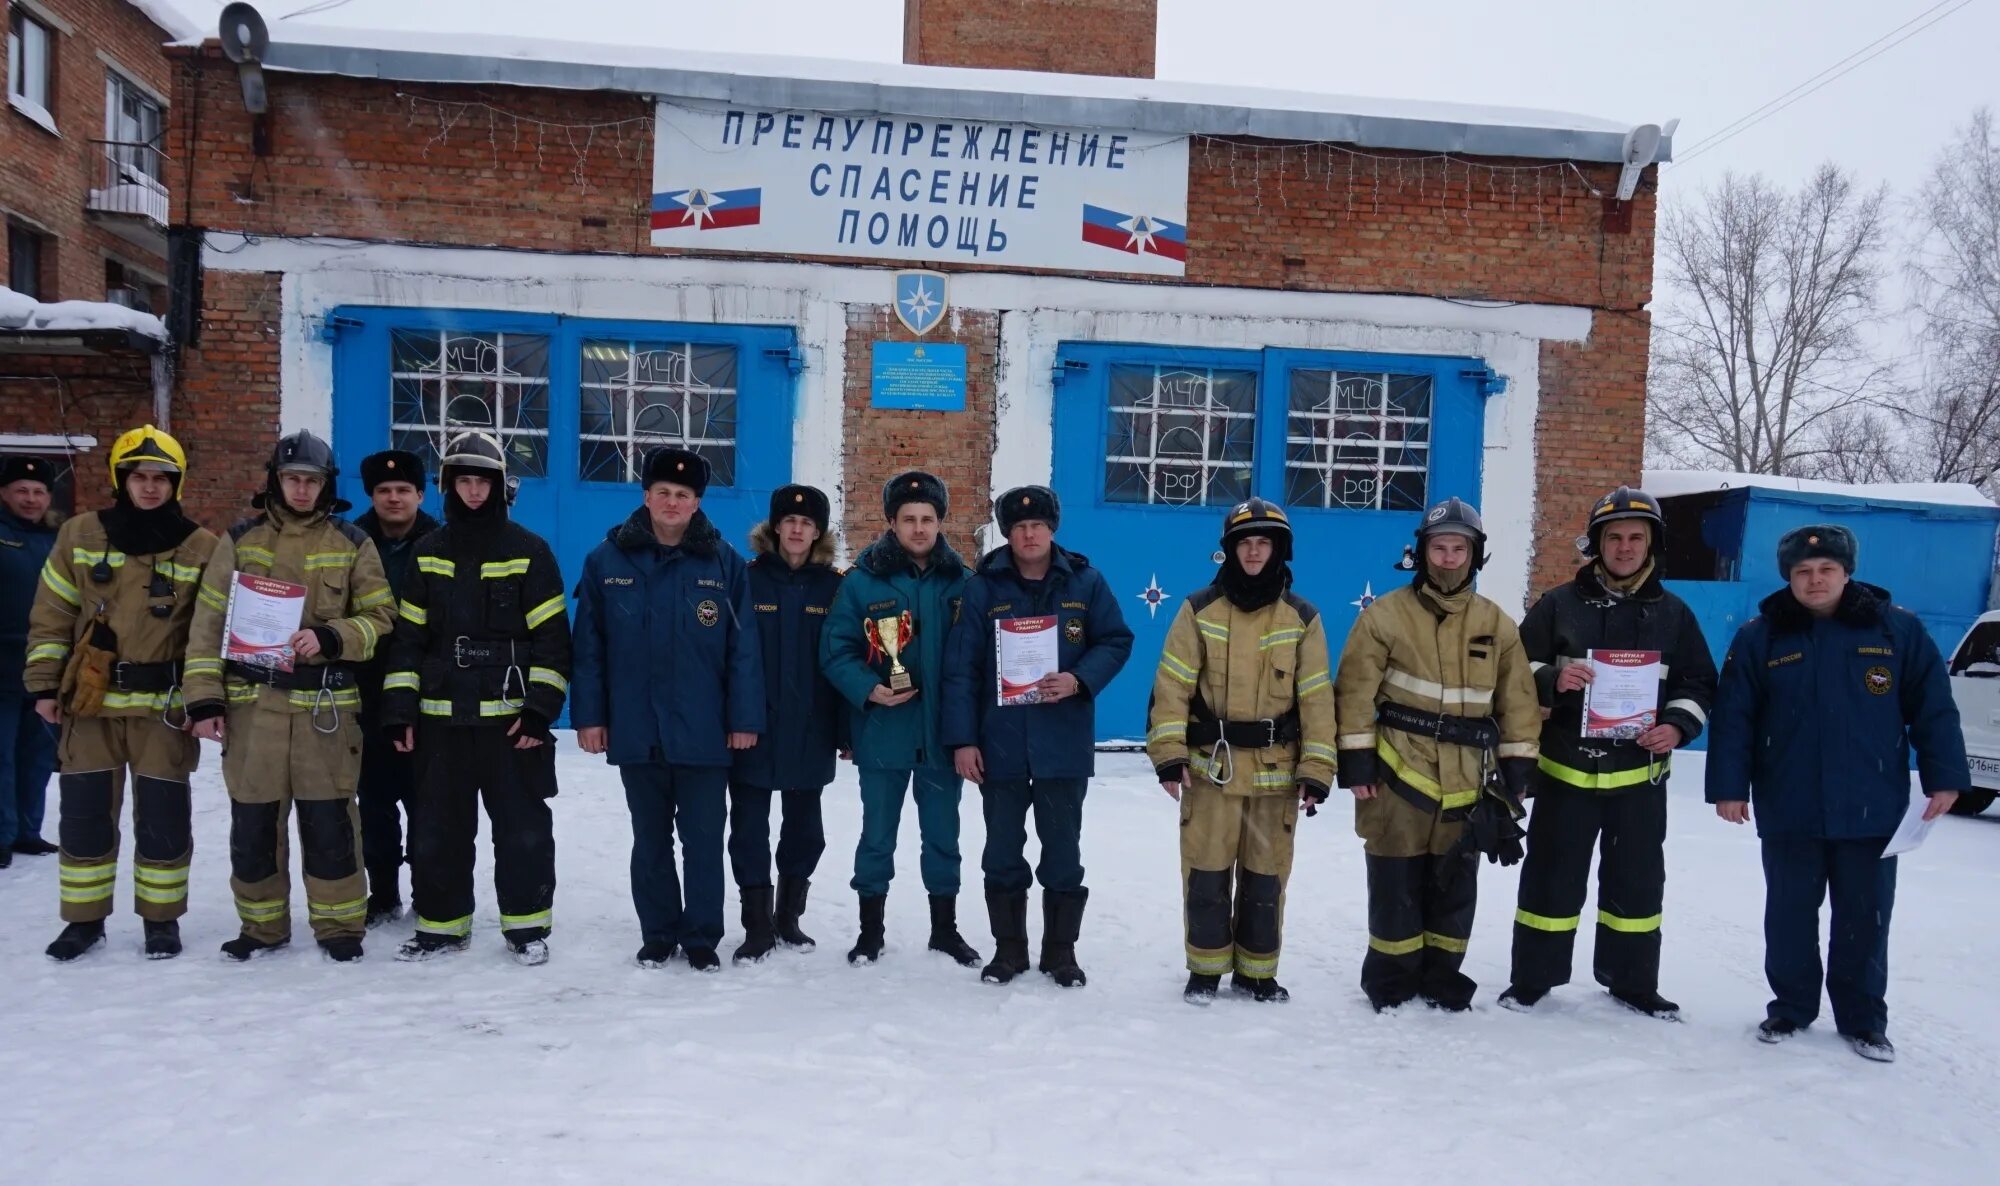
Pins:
<point x="1706" y="61"/>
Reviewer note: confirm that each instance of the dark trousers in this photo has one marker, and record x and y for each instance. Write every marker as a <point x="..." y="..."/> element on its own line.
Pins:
<point x="801" y="836"/>
<point x="387" y="788"/>
<point x="937" y="794"/>
<point x="27" y="761"/>
<point x="691" y="801"/>
<point x="1419" y="921"/>
<point x="1798" y="871"/>
<point x="1629" y="829"/>
<point x="457" y="766"/>
<point x="1058" y="808"/>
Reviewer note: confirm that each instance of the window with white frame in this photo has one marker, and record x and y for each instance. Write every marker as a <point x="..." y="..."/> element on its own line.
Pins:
<point x="635" y="396"/>
<point x="30" y="61"/>
<point x="1358" y="440"/>
<point x="443" y="381"/>
<point x="132" y="123"/>
<point x="1180" y="436"/>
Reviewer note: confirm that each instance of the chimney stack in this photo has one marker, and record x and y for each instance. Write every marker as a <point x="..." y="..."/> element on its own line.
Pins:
<point x="1111" y="37"/>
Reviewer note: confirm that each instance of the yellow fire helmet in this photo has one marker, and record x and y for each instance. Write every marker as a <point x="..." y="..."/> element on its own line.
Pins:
<point x="148" y="446"/>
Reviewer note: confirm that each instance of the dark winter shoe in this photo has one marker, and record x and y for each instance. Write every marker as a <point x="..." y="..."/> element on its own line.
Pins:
<point x="381" y="910"/>
<point x="1873" y="1046"/>
<point x="163" y="940"/>
<point x="1007" y="911"/>
<point x="426" y="946"/>
<point x="1449" y="1004"/>
<point x="76" y="938"/>
<point x="529" y="953"/>
<point x="654" y="954"/>
<point x="1265" y="990"/>
<point x="1649" y="1002"/>
<point x="1773" y="1030"/>
<point x="1522" y="998"/>
<point x="1201" y="989"/>
<point x="868" y="948"/>
<point x="1062" y="919"/>
<point x="242" y="948"/>
<point x="704" y="959"/>
<point x="6" y="858"/>
<point x="944" y="931"/>
<point x="758" y="938"/>
<point x="1388" y="1004"/>
<point x="34" y="846"/>
<point x="791" y="907"/>
<point x="344" y="949"/>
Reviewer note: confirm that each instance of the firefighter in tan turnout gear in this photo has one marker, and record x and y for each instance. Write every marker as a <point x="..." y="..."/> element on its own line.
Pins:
<point x="1242" y="734"/>
<point x="1440" y="725"/>
<point x="105" y="638"/>
<point x="292" y="737"/>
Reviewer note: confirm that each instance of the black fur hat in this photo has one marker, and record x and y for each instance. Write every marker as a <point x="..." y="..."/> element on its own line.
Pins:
<point x="914" y="486"/>
<point x="391" y="465"/>
<point x="26" y="469"/>
<point x="1819" y="540"/>
<point x="1027" y="502"/>
<point x="678" y="466"/>
<point x="797" y="499"/>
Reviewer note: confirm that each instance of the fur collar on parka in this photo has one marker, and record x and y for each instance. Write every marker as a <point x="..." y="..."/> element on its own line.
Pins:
<point x="635" y="534"/>
<point x="886" y="558"/>
<point x="1861" y="604"/>
<point x="764" y="546"/>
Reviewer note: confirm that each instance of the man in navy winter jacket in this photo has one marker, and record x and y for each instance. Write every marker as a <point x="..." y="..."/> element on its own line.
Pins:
<point x="669" y="683"/>
<point x="1038" y="754"/>
<point x="792" y="587"/>
<point x="27" y="743"/>
<point x="1822" y="698"/>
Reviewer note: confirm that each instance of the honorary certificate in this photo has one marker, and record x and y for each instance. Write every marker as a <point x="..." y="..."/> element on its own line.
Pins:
<point x="1623" y="699"/>
<point x="263" y="616"/>
<point x="1024" y="653"/>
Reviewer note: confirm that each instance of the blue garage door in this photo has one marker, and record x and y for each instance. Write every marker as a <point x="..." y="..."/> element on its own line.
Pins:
<point x="577" y="403"/>
<point x="1154" y="443"/>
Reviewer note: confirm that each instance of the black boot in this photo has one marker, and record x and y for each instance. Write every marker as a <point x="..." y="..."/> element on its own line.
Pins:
<point x="76" y="938"/>
<point x="243" y="947"/>
<point x="6" y="858"/>
<point x="163" y="940"/>
<point x="384" y="907"/>
<point x="34" y="846"/>
<point x="791" y="907"/>
<point x="944" y="931"/>
<point x="424" y="945"/>
<point x="1522" y="998"/>
<point x="703" y="959"/>
<point x="1062" y="919"/>
<point x="1201" y="989"/>
<point x="1647" y="1001"/>
<point x="654" y="954"/>
<point x="1264" y="990"/>
<point x="758" y="939"/>
<point x="1007" y="910"/>
<point x="868" y="948"/>
<point x="341" y="949"/>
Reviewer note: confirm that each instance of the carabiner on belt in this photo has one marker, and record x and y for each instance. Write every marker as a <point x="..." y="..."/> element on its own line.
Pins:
<point x="1221" y="758"/>
<point x="323" y="699"/>
<point x="167" y="709"/>
<point x="513" y="679"/>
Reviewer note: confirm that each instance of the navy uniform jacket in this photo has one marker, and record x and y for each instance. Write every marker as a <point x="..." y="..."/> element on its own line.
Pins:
<point x="397" y="555"/>
<point x="665" y="655"/>
<point x="804" y="717"/>
<point x="1815" y="718"/>
<point x="1033" y="740"/>
<point x="24" y="548"/>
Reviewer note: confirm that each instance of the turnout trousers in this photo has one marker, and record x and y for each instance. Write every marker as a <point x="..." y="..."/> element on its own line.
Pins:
<point x="690" y="801"/>
<point x="801" y="835"/>
<point x="95" y="753"/>
<point x="27" y="759"/>
<point x="274" y="762"/>
<point x="1422" y="892"/>
<point x="1058" y="807"/>
<point x="1629" y="830"/>
<point x="458" y="766"/>
<point x="1798" y="873"/>
<point x="1236" y="858"/>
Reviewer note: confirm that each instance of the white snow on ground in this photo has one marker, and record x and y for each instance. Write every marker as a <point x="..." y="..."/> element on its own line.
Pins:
<point x="802" y="1070"/>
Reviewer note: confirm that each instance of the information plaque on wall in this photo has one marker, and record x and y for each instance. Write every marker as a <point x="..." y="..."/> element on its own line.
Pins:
<point x="922" y="376"/>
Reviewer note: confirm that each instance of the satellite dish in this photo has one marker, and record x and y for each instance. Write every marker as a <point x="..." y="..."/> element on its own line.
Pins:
<point x="244" y="36"/>
<point x="1642" y="145"/>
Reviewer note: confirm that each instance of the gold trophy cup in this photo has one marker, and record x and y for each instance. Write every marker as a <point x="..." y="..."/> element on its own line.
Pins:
<point x="888" y="637"/>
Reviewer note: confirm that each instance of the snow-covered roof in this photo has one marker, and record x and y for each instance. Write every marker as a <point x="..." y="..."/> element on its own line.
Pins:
<point x="25" y="313"/>
<point x="167" y="16"/>
<point x="1666" y="483"/>
<point x="1068" y="100"/>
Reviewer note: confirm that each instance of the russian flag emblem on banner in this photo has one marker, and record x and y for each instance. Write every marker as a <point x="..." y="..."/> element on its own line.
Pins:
<point x="1137" y="234"/>
<point x="707" y="209"/>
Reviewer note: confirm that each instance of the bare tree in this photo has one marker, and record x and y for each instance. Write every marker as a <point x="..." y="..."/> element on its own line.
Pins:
<point x="1758" y="360"/>
<point x="1955" y="282"/>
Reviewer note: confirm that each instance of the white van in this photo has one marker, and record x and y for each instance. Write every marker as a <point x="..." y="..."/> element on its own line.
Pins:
<point x="1975" y="686"/>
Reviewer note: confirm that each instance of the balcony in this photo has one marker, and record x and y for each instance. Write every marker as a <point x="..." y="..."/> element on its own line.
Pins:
<point x="130" y="199"/>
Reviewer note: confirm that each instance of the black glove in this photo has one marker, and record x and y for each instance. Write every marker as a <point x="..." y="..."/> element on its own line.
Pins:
<point x="534" y="724"/>
<point x="202" y="710"/>
<point x="1496" y="829"/>
<point x="1312" y="795"/>
<point x="329" y="642"/>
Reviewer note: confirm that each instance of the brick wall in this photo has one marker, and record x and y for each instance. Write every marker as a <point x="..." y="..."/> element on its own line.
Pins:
<point x="44" y="178"/>
<point x="1062" y="36"/>
<point x="1590" y="434"/>
<point x="879" y="443"/>
<point x="226" y="407"/>
<point x="76" y="395"/>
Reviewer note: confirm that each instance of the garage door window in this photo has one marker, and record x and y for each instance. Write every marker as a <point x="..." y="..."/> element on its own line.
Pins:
<point x="445" y="381"/>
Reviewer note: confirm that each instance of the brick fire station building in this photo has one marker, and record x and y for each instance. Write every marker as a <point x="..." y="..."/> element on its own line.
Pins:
<point x="1157" y="297"/>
